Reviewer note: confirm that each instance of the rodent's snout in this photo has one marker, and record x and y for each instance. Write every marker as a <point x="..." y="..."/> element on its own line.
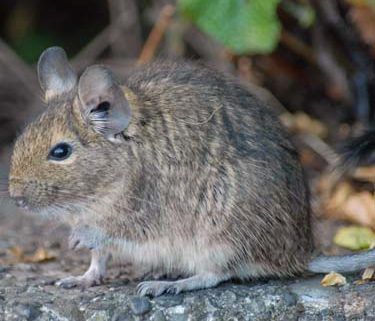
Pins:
<point x="17" y="197"/>
<point x="20" y="201"/>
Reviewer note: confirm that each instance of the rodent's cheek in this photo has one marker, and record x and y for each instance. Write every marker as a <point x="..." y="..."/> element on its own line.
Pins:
<point x="36" y="194"/>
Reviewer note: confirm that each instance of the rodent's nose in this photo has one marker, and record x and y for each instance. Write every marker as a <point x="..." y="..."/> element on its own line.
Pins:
<point x="20" y="201"/>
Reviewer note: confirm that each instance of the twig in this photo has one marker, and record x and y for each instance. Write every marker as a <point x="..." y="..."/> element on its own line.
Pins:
<point x="320" y="147"/>
<point x="131" y="32"/>
<point x="298" y="47"/>
<point x="156" y="34"/>
<point x="355" y="53"/>
<point x="330" y="67"/>
<point x="23" y="72"/>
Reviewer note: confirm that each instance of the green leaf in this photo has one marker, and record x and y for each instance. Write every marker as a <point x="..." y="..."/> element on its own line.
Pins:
<point x="244" y="26"/>
<point x="355" y="237"/>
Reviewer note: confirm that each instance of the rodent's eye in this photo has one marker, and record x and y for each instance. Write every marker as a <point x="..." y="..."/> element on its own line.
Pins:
<point x="60" y="152"/>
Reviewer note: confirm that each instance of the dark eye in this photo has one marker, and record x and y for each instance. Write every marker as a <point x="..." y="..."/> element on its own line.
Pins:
<point x="60" y="152"/>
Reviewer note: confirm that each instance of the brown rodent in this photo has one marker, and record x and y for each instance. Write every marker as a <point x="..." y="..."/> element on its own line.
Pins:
<point x="179" y="170"/>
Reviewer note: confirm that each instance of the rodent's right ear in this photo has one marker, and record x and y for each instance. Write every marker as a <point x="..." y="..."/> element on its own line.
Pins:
<point x="56" y="76"/>
<point x="103" y="103"/>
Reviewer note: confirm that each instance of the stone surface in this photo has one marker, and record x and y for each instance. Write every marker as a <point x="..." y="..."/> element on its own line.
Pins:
<point x="140" y="306"/>
<point x="300" y="299"/>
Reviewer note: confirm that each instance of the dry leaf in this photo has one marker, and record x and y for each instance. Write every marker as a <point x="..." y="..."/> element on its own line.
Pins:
<point x="332" y="279"/>
<point x="360" y="282"/>
<point x="339" y="197"/>
<point x="346" y="204"/>
<point x="363" y="16"/>
<point x="360" y="208"/>
<point x="365" y="173"/>
<point x="354" y="237"/>
<point x="41" y="255"/>
<point x="303" y="123"/>
<point x="368" y="274"/>
<point x="17" y="252"/>
<point x="19" y="256"/>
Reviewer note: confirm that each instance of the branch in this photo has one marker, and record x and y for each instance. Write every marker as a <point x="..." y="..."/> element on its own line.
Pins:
<point x="156" y="34"/>
<point x="106" y="37"/>
<point x="22" y="71"/>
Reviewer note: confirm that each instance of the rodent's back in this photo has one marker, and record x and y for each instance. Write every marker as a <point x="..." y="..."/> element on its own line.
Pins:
<point x="220" y="164"/>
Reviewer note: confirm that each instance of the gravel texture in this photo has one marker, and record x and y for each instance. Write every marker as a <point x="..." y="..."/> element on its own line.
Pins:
<point x="303" y="299"/>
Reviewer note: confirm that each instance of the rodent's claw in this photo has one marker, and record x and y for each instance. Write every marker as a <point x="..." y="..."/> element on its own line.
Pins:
<point x="200" y="281"/>
<point x="68" y="283"/>
<point x="157" y="288"/>
<point x="83" y="282"/>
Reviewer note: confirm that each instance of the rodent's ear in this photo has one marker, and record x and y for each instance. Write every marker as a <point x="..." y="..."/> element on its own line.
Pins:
<point x="56" y="76"/>
<point x="103" y="103"/>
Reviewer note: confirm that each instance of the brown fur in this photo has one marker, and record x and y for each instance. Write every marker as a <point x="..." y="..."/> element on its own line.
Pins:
<point x="204" y="179"/>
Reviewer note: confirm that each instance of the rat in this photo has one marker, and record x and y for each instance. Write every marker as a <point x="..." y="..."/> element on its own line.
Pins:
<point x="178" y="169"/>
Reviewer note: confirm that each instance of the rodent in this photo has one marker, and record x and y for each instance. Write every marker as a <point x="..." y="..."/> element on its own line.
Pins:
<point x="178" y="169"/>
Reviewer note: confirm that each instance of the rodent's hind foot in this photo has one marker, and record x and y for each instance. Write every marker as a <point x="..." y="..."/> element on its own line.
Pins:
<point x="196" y="282"/>
<point x="83" y="282"/>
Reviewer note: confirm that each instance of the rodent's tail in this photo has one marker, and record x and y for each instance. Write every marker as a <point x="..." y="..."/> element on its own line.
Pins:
<point x="342" y="264"/>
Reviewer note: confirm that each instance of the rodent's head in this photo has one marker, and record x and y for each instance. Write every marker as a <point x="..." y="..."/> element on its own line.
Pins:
<point x="68" y="157"/>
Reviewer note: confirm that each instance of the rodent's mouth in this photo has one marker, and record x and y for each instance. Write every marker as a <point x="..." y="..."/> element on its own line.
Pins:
<point x="32" y="208"/>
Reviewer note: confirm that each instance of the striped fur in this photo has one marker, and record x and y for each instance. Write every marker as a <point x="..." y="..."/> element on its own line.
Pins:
<point x="205" y="179"/>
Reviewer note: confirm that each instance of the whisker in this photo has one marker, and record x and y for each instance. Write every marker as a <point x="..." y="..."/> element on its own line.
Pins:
<point x="75" y="194"/>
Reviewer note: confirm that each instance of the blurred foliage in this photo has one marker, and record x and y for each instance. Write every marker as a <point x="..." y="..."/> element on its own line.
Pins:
<point x="362" y="2"/>
<point x="355" y="237"/>
<point x="242" y="26"/>
<point x="32" y="44"/>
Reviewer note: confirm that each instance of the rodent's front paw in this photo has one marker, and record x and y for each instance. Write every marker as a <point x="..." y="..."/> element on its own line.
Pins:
<point x="86" y="237"/>
<point x="82" y="282"/>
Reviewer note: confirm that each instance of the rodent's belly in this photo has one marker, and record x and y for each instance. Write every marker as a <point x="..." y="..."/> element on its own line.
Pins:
<point x="191" y="257"/>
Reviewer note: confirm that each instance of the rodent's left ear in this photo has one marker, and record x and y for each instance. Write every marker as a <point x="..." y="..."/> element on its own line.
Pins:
<point x="102" y="102"/>
<point x="56" y="76"/>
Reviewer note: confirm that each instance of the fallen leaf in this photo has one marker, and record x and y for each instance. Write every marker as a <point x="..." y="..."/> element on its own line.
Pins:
<point x="363" y="16"/>
<point x="346" y="204"/>
<point x="360" y="282"/>
<point x="365" y="173"/>
<point x="303" y="123"/>
<point x="354" y="237"/>
<point x="360" y="208"/>
<point x="339" y="196"/>
<point x="332" y="279"/>
<point x="368" y="274"/>
<point x="17" y="252"/>
<point x="18" y="256"/>
<point x="41" y="255"/>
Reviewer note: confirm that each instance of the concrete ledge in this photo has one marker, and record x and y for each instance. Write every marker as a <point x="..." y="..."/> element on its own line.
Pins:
<point x="302" y="299"/>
